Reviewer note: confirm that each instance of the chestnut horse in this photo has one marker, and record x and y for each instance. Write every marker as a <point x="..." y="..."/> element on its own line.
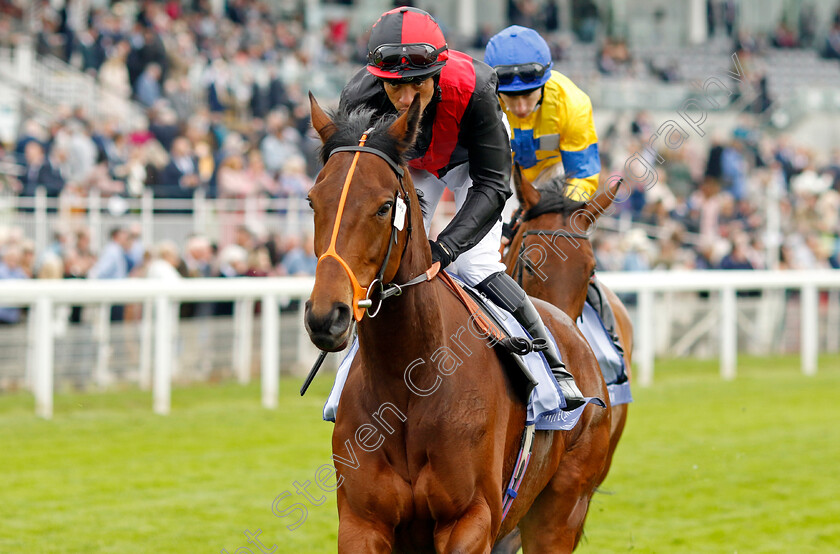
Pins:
<point x="564" y="282"/>
<point x="422" y="451"/>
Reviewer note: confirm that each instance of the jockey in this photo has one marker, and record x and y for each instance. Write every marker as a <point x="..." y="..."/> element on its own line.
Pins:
<point x="550" y="116"/>
<point x="462" y="145"/>
<point x="552" y="124"/>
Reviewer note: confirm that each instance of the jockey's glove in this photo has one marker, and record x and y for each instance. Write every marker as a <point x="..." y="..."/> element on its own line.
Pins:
<point x="440" y="253"/>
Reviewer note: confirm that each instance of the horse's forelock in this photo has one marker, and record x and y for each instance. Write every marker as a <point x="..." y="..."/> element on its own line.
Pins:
<point x="351" y="125"/>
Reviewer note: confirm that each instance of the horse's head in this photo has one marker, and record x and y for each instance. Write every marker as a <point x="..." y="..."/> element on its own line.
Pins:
<point x="364" y="204"/>
<point x="552" y="241"/>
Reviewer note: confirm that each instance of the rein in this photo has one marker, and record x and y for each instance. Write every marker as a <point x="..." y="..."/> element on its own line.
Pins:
<point x="401" y="210"/>
<point x="521" y="262"/>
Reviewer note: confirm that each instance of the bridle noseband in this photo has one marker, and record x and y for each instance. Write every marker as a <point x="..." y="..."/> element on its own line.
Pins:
<point x="400" y="212"/>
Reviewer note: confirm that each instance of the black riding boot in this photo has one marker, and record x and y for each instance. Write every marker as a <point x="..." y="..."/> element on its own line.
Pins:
<point x="506" y="293"/>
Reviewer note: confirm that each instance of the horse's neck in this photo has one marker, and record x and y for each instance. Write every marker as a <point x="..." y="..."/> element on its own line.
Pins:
<point x="556" y="289"/>
<point x="574" y="300"/>
<point x="408" y="326"/>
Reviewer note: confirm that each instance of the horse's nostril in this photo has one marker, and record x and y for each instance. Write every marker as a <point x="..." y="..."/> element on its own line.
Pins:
<point x="339" y="318"/>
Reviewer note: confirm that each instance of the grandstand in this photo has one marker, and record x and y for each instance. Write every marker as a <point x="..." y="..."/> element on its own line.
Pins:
<point x="156" y="250"/>
<point x="188" y="122"/>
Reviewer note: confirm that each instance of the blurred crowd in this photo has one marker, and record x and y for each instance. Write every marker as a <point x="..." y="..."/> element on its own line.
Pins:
<point x="227" y="116"/>
<point x="220" y="118"/>
<point x="749" y="201"/>
<point x="70" y="256"/>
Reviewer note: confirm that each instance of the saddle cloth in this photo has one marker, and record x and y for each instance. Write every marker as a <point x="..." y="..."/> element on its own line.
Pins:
<point x="545" y="405"/>
<point x="609" y="358"/>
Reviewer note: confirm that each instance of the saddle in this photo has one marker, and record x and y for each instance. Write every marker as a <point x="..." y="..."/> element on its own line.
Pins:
<point x="489" y="324"/>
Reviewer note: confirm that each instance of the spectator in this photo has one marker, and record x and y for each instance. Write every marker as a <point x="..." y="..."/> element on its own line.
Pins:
<point x="164" y="125"/>
<point x="831" y="49"/>
<point x="280" y="144"/>
<point x="234" y="181"/>
<point x="165" y="263"/>
<point x="147" y="89"/>
<point x="637" y="246"/>
<point x="52" y="267"/>
<point x="738" y="258"/>
<point x="300" y="258"/>
<point x="266" y="185"/>
<point x="113" y="75"/>
<point x="10" y="268"/>
<point x="113" y="262"/>
<point x="294" y="182"/>
<point x="180" y="178"/>
<point x="79" y="258"/>
<point x="38" y="171"/>
<point x="259" y="263"/>
<point x="89" y="45"/>
<point x="198" y="257"/>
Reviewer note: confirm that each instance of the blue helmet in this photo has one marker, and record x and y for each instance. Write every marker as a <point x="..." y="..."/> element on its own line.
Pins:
<point x="521" y="58"/>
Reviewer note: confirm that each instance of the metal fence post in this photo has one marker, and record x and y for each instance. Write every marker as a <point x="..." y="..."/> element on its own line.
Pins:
<point x="832" y="323"/>
<point x="43" y="386"/>
<point x="103" y="351"/>
<point x="810" y="329"/>
<point x="270" y="367"/>
<point x="162" y="386"/>
<point x="146" y="329"/>
<point x="243" y="318"/>
<point x="646" y="338"/>
<point x="728" y="334"/>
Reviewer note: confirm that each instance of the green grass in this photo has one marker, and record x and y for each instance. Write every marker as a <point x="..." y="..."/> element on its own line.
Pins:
<point x="751" y="465"/>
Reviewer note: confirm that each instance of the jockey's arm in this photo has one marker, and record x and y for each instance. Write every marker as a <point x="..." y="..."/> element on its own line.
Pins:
<point x="579" y="150"/>
<point x="488" y="146"/>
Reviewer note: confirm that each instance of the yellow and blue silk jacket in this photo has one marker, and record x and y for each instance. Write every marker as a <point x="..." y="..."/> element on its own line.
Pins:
<point x="561" y="129"/>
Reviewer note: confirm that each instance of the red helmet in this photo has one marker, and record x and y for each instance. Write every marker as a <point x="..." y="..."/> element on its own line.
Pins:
<point x="406" y="43"/>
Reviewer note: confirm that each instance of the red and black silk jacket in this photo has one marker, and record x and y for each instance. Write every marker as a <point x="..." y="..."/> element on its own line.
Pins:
<point x="462" y="124"/>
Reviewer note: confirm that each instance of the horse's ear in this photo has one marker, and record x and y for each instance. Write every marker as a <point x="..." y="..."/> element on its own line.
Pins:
<point x="404" y="129"/>
<point x="599" y="204"/>
<point x="320" y="120"/>
<point x="527" y="195"/>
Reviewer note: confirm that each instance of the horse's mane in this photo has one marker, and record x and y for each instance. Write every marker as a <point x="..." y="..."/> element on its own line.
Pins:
<point x="351" y="125"/>
<point x="553" y="199"/>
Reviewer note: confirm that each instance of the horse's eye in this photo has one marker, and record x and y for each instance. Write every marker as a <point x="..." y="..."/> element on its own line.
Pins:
<point x="385" y="209"/>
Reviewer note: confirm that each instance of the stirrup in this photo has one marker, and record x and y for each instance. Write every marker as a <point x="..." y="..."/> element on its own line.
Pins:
<point x="566" y="381"/>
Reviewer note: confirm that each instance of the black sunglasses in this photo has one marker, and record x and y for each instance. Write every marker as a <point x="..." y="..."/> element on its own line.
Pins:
<point x="405" y="56"/>
<point x="527" y="72"/>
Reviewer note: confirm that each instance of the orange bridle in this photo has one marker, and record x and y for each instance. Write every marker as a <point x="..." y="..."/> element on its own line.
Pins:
<point x="401" y="212"/>
<point x="358" y="292"/>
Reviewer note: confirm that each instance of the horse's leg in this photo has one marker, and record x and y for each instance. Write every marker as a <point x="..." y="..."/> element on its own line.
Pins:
<point x="624" y="329"/>
<point x="357" y="534"/>
<point x="510" y="544"/>
<point x="554" y="523"/>
<point x="468" y="534"/>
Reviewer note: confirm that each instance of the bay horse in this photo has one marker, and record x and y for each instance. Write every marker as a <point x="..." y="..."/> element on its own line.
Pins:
<point x="424" y="440"/>
<point x="564" y="282"/>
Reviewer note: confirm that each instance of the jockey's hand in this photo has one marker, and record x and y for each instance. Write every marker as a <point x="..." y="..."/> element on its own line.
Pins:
<point x="440" y="253"/>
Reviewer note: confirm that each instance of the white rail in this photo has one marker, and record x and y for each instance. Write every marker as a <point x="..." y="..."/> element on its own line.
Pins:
<point x="727" y="283"/>
<point x="43" y="296"/>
